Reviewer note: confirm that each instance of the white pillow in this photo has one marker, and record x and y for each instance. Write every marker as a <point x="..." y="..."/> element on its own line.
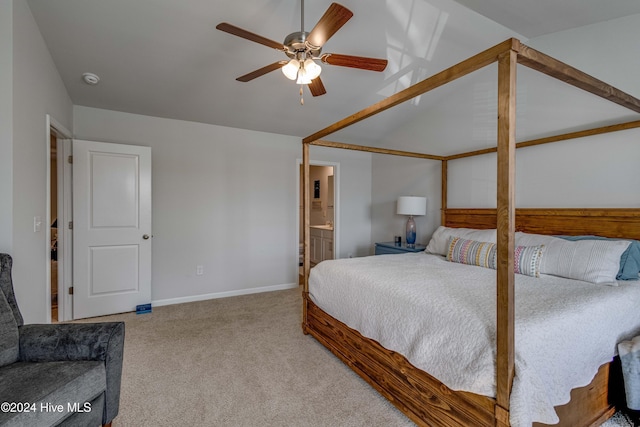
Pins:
<point x="595" y="261"/>
<point x="439" y="243"/>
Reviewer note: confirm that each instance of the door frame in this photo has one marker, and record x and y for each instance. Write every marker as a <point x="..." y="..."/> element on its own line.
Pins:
<point x="64" y="137"/>
<point x="336" y="205"/>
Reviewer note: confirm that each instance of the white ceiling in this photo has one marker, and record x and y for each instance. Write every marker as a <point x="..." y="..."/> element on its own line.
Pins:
<point x="165" y="58"/>
<point x="540" y="17"/>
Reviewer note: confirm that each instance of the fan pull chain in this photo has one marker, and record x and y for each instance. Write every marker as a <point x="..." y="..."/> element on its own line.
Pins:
<point x="301" y="99"/>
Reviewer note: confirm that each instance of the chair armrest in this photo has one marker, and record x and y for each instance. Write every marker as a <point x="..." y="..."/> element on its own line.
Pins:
<point x="65" y="342"/>
<point x="79" y="341"/>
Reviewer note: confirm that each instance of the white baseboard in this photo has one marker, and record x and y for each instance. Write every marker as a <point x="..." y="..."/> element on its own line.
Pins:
<point x="204" y="297"/>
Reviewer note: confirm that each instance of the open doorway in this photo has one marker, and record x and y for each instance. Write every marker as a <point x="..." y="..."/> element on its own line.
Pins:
<point x="53" y="223"/>
<point x="323" y="187"/>
<point x="58" y="205"/>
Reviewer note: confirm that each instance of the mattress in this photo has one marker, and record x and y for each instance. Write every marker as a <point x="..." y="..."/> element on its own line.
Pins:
<point x="441" y="317"/>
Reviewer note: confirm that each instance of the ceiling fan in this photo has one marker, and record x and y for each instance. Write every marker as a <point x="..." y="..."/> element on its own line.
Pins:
<point x="304" y="49"/>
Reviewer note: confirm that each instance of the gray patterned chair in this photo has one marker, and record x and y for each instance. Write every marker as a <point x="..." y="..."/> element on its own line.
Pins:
<point x="58" y="374"/>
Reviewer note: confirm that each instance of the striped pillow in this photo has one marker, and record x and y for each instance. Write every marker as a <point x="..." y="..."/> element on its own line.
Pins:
<point x="471" y="252"/>
<point x="484" y="254"/>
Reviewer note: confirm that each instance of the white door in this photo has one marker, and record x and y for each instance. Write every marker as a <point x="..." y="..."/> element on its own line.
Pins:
<point x="111" y="228"/>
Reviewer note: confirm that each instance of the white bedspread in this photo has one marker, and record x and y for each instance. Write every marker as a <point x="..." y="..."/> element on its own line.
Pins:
<point x="441" y="317"/>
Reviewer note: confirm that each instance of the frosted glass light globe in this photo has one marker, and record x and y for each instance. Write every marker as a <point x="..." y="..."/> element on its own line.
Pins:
<point x="291" y="69"/>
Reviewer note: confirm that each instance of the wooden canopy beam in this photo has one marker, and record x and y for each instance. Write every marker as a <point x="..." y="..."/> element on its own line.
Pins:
<point x="546" y="140"/>
<point x="568" y="74"/>
<point x="323" y="143"/>
<point x="450" y="74"/>
<point x="526" y="56"/>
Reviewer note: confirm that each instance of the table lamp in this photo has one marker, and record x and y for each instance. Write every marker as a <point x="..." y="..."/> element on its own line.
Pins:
<point x="412" y="206"/>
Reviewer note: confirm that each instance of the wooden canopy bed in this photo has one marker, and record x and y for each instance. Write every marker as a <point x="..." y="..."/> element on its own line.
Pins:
<point x="423" y="398"/>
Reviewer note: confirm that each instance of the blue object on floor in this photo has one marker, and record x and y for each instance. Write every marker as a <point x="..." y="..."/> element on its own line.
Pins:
<point x="143" y="308"/>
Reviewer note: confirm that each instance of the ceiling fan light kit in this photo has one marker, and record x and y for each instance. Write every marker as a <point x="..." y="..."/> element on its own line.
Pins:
<point x="304" y="49"/>
<point x="302" y="71"/>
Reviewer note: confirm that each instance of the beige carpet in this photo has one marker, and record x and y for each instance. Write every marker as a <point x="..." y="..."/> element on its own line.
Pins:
<point x="240" y="361"/>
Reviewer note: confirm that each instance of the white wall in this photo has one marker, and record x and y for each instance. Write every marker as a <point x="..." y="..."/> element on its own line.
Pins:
<point x="393" y="177"/>
<point x="607" y="50"/>
<point x="6" y="126"/>
<point x="223" y="198"/>
<point x="589" y="172"/>
<point x="37" y="91"/>
<point x="599" y="171"/>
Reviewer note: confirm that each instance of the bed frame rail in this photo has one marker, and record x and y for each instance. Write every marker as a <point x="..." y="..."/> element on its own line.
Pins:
<point x="424" y="399"/>
<point x="428" y="402"/>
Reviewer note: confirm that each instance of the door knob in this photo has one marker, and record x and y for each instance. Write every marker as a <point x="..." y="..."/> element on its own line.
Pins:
<point x="145" y="236"/>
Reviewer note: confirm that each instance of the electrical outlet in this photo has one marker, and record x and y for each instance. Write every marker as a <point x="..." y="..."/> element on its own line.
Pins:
<point x="199" y="270"/>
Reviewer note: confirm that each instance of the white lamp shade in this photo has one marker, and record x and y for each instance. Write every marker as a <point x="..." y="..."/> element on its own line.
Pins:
<point x="313" y="70"/>
<point x="303" y="78"/>
<point x="291" y="69"/>
<point x="412" y="205"/>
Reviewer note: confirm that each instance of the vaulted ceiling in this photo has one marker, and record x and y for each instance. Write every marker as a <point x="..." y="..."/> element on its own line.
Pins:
<point x="165" y="58"/>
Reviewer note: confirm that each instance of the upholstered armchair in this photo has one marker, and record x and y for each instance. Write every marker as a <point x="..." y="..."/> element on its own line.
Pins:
<point x="58" y="374"/>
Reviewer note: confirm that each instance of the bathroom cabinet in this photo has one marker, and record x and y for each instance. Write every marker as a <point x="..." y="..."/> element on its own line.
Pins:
<point x="321" y="244"/>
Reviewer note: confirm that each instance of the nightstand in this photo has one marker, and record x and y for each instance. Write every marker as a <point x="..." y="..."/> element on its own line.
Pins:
<point x="391" y="248"/>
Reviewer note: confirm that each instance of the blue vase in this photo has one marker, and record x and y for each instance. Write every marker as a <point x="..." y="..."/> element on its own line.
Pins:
<point x="411" y="232"/>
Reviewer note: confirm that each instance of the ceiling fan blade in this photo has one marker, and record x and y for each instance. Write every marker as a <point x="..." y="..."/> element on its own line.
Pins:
<point x="261" y="72"/>
<point x="332" y="20"/>
<point x="232" y="29"/>
<point x="371" y="64"/>
<point x="316" y="87"/>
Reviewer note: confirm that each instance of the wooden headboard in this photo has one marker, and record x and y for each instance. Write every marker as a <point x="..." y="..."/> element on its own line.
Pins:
<point x="607" y="222"/>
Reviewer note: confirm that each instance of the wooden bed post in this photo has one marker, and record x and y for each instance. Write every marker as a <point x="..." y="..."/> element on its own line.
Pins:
<point x="443" y="199"/>
<point x="306" y="258"/>
<point x="505" y="217"/>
